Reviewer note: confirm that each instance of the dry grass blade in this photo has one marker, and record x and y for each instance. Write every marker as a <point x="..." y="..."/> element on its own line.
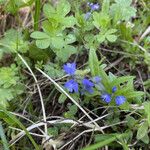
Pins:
<point x="74" y="101"/>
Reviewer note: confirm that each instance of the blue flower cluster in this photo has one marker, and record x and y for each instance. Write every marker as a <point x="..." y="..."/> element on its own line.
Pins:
<point x="93" y="7"/>
<point x="88" y="86"/>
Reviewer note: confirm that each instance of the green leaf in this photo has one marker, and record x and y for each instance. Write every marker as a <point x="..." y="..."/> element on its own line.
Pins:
<point x="101" y="20"/>
<point x="147" y="111"/>
<point x="130" y="121"/>
<point x="43" y="44"/>
<point x="145" y="139"/>
<point x="134" y="94"/>
<point x="63" y="7"/>
<point x="13" y="42"/>
<point x="70" y="38"/>
<point x="142" y="130"/>
<point x="111" y="38"/>
<point x="53" y="70"/>
<point x="120" y="80"/>
<point x="58" y="42"/>
<point x="93" y="63"/>
<point x="62" y="98"/>
<point x="66" y="52"/>
<point x="39" y="35"/>
<point x="49" y="11"/>
<point x="69" y="22"/>
<point x="122" y="10"/>
<point x="53" y="131"/>
<point x="3" y="138"/>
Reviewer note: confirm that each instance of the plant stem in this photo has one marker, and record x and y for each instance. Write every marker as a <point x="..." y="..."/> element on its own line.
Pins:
<point x="37" y="14"/>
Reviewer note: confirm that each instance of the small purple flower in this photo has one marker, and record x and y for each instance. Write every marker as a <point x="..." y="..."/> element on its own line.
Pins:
<point x="96" y="79"/>
<point x="106" y="97"/>
<point x="94" y="6"/>
<point x="114" y="89"/>
<point x="120" y="100"/>
<point x="87" y="15"/>
<point x="70" y="68"/>
<point x="88" y="85"/>
<point x="71" y="86"/>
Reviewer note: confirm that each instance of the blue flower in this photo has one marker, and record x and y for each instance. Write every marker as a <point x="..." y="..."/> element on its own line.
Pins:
<point x="70" y="68"/>
<point x="87" y="15"/>
<point x="120" y="100"/>
<point x="94" y="6"/>
<point x="106" y="97"/>
<point x="71" y="86"/>
<point x="114" y="89"/>
<point x="88" y="85"/>
<point x="96" y="79"/>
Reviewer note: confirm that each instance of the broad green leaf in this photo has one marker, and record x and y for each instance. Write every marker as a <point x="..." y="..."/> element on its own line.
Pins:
<point x="39" y="35"/>
<point x="70" y="38"/>
<point x="63" y="7"/>
<point x="147" y="111"/>
<point x="69" y="21"/>
<point x="111" y="38"/>
<point x="64" y="53"/>
<point x="93" y="63"/>
<point x="142" y="130"/>
<point x="101" y="20"/>
<point x="58" y="42"/>
<point x="43" y="43"/>
<point x="145" y="139"/>
<point x="130" y="121"/>
<point x="49" y="11"/>
<point x="62" y="98"/>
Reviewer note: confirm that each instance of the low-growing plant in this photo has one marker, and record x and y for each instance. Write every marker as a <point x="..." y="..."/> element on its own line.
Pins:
<point x="95" y="56"/>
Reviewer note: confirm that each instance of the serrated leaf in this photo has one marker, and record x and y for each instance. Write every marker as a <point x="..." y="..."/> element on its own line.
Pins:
<point x="5" y="95"/>
<point x="120" y="80"/>
<point x="13" y="41"/>
<point x="142" y="130"/>
<point x="122" y="10"/>
<point x="134" y="94"/>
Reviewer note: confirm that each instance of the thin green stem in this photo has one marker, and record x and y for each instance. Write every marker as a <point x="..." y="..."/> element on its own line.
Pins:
<point x="37" y="14"/>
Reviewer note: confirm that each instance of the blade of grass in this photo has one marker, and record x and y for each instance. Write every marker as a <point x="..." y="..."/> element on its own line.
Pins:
<point x="105" y="142"/>
<point x="3" y="137"/>
<point x="7" y="113"/>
